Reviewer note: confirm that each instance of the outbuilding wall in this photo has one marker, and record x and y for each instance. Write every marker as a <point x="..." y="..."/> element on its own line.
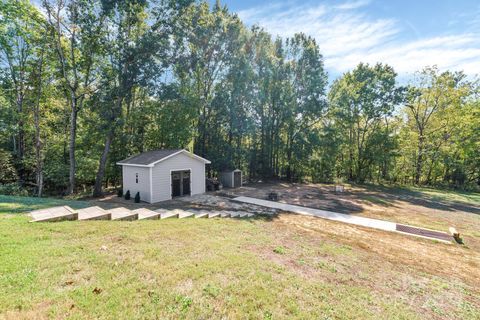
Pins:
<point x="143" y="185"/>
<point x="161" y="175"/>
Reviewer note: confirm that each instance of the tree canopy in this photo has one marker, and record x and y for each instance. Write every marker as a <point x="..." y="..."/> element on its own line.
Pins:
<point x="84" y="84"/>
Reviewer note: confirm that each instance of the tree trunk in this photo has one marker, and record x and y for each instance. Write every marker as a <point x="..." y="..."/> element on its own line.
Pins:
<point x="72" y="144"/>
<point x="97" y="191"/>
<point x="38" y="141"/>
<point x="38" y="151"/>
<point x="418" y="171"/>
<point x="20" y="140"/>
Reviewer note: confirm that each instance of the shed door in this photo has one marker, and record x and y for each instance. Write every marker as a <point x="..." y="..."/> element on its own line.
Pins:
<point x="237" y="178"/>
<point x="181" y="183"/>
<point x="186" y="183"/>
<point x="176" y="184"/>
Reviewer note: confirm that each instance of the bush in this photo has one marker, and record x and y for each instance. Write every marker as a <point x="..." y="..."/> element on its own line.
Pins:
<point x="137" y="197"/>
<point x="127" y="195"/>
<point x="120" y="193"/>
<point x="12" y="189"/>
<point x="7" y="170"/>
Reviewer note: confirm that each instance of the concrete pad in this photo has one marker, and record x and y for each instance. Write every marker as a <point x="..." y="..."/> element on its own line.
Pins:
<point x="93" y="213"/>
<point x="144" y="213"/>
<point x="123" y="214"/>
<point x="54" y="214"/>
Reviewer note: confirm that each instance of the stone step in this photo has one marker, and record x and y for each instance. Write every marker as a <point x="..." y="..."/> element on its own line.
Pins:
<point x="234" y="214"/>
<point x="165" y="214"/>
<point x="184" y="214"/>
<point x="123" y="214"/>
<point x="54" y="214"/>
<point x="213" y="215"/>
<point x="201" y="214"/>
<point x="93" y="213"/>
<point x="224" y="214"/>
<point x="250" y="215"/>
<point x="243" y="215"/>
<point x="144" y="213"/>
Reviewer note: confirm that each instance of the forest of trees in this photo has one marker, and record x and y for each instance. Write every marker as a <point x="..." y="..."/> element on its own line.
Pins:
<point x="86" y="83"/>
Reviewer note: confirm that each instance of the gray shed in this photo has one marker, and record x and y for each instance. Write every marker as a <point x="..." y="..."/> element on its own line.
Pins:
<point x="231" y="178"/>
<point x="163" y="174"/>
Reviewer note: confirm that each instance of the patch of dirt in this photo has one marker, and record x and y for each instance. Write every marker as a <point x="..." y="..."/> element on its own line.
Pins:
<point x="427" y="276"/>
<point x="452" y="261"/>
<point x="396" y="205"/>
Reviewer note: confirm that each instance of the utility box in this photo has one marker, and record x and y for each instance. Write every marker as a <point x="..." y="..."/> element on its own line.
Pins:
<point x="231" y="178"/>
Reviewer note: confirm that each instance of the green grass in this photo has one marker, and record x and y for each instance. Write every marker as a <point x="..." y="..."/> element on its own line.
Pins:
<point x="469" y="197"/>
<point x="170" y="269"/>
<point x="182" y="269"/>
<point x="12" y="204"/>
<point x="448" y="195"/>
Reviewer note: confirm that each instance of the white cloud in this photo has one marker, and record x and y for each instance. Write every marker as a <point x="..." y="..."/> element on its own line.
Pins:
<point x="352" y="4"/>
<point x="347" y="36"/>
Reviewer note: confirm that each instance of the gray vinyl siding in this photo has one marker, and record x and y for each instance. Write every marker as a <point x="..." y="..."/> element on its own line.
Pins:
<point x="161" y="175"/>
<point x="143" y="185"/>
<point x="226" y="178"/>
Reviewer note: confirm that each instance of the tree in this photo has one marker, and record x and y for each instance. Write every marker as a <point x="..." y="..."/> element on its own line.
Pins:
<point x="20" y="33"/>
<point x="429" y="108"/>
<point x="306" y="102"/>
<point x="363" y="100"/>
<point x="76" y="33"/>
<point x="124" y="43"/>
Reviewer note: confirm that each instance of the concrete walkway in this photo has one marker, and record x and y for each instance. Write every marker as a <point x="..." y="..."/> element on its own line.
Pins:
<point x="345" y="218"/>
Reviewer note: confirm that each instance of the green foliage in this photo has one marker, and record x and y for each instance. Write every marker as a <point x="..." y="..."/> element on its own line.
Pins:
<point x="279" y="250"/>
<point x="7" y="170"/>
<point x="13" y="189"/>
<point x="362" y="103"/>
<point x="137" y="76"/>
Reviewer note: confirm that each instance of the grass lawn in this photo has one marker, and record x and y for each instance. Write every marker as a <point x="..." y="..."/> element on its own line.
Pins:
<point x="283" y="268"/>
<point x="11" y="204"/>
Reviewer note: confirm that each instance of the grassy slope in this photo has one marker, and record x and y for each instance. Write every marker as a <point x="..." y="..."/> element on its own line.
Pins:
<point x="11" y="204"/>
<point x="196" y="269"/>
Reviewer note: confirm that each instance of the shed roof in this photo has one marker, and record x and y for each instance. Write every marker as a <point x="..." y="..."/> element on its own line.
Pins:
<point x="150" y="158"/>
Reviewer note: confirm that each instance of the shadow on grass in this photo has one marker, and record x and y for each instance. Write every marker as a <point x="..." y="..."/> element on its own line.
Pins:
<point x="421" y="197"/>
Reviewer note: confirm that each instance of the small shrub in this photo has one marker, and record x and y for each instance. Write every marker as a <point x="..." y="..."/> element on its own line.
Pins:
<point x="279" y="250"/>
<point x="12" y="189"/>
<point x="120" y="193"/>
<point x="127" y="195"/>
<point x="137" y="197"/>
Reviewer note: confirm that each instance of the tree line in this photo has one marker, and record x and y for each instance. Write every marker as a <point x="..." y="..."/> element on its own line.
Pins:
<point x="86" y="83"/>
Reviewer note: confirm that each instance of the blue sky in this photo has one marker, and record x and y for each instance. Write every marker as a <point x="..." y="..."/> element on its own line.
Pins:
<point x="406" y="34"/>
